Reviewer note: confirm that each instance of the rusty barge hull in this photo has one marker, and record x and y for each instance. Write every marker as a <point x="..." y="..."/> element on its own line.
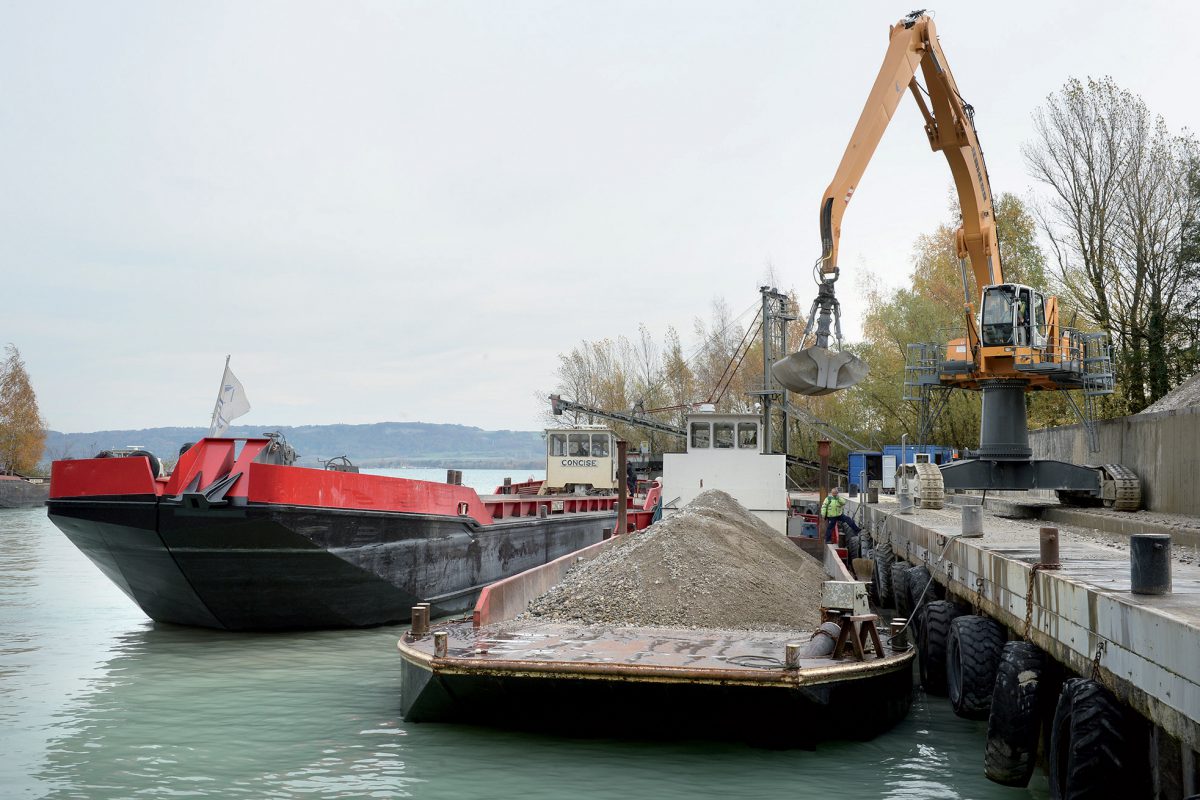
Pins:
<point x="637" y="682"/>
<point x="682" y="688"/>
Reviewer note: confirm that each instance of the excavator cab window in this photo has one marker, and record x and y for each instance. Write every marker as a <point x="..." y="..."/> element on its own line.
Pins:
<point x="1040" y="332"/>
<point x="998" y="316"/>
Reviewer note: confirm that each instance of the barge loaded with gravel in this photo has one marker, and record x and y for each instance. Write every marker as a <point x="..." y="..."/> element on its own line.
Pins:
<point x="708" y="624"/>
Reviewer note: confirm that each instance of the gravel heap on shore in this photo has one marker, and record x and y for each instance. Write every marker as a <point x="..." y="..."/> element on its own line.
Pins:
<point x="712" y="565"/>
<point x="1184" y="395"/>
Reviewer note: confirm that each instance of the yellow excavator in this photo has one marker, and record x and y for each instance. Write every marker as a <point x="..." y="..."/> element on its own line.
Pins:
<point x="1013" y="344"/>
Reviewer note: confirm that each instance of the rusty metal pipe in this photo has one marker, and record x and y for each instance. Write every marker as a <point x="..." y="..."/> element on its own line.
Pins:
<point x="1048" y="548"/>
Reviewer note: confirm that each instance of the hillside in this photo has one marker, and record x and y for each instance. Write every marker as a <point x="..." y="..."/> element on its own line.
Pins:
<point x="381" y="444"/>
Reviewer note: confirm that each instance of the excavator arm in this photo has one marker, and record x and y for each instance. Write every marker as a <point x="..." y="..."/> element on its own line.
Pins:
<point x="950" y="128"/>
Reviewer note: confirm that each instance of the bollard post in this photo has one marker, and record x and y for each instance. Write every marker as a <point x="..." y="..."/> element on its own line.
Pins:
<point x="899" y="638"/>
<point x="420" y="623"/>
<point x="441" y="644"/>
<point x="972" y="521"/>
<point x="873" y="495"/>
<point x="1150" y="563"/>
<point x="905" y="500"/>
<point x="1048" y="553"/>
<point x="791" y="655"/>
<point x="450" y="477"/>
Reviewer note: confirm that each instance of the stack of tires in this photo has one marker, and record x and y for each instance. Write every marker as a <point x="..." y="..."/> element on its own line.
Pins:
<point x="1093" y="746"/>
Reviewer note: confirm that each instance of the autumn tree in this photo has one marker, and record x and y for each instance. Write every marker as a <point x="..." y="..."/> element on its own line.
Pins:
<point x="22" y="430"/>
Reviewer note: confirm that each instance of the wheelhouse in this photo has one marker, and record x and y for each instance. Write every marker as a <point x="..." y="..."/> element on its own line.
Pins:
<point x="581" y="459"/>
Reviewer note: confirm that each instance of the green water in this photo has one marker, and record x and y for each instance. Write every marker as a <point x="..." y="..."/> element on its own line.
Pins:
<point x="98" y="702"/>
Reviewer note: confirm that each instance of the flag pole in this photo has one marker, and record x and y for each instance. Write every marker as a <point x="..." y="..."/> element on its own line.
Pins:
<point x="212" y="425"/>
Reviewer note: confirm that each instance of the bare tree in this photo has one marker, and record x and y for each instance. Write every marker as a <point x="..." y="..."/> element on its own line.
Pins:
<point x="1118" y="207"/>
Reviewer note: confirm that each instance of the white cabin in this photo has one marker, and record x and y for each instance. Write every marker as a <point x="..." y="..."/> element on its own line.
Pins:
<point x="581" y="459"/>
<point x="725" y="451"/>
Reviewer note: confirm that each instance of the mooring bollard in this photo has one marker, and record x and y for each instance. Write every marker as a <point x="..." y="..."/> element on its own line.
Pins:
<point x="450" y="477"/>
<point x="972" y="522"/>
<point x="420" y="622"/>
<point x="906" y="505"/>
<point x="1049" y="548"/>
<point x="441" y="644"/>
<point x="791" y="655"/>
<point x="873" y="495"/>
<point x="1150" y="563"/>
<point x="899" y="639"/>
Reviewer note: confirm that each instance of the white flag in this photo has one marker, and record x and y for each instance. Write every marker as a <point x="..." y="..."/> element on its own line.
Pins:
<point x="231" y="403"/>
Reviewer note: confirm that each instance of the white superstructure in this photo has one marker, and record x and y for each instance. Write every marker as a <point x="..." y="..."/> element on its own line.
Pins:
<point x="724" y="451"/>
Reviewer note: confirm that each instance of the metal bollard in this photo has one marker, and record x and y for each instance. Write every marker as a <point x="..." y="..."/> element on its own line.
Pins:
<point x="420" y="622"/>
<point x="906" y="505"/>
<point x="791" y="655"/>
<point x="543" y="511"/>
<point x="450" y="477"/>
<point x="899" y="639"/>
<point x="441" y="644"/>
<point x="873" y="495"/>
<point x="1150" y="563"/>
<point x="972" y="522"/>
<point x="1049" y="548"/>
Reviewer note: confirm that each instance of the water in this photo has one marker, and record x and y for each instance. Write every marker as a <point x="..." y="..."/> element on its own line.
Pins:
<point x="98" y="702"/>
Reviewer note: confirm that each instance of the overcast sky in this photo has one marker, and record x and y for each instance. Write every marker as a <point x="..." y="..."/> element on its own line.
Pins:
<point x="405" y="210"/>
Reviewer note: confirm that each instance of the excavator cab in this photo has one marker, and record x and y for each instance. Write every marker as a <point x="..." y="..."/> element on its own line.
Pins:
<point x="1012" y="315"/>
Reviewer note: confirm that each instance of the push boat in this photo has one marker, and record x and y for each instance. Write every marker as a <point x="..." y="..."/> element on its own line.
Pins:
<point x="237" y="538"/>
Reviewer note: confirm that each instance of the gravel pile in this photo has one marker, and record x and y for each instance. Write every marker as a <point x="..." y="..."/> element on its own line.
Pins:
<point x="1182" y="396"/>
<point x="712" y="565"/>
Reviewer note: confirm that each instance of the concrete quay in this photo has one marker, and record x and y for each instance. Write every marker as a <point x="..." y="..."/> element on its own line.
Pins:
<point x="1148" y="647"/>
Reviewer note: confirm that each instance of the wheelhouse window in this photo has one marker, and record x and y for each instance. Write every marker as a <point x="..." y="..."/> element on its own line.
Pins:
<point x="723" y="435"/>
<point x="600" y="445"/>
<point x="997" y="316"/>
<point x="558" y="444"/>
<point x="748" y="435"/>
<point x="578" y="444"/>
<point x="701" y="434"/>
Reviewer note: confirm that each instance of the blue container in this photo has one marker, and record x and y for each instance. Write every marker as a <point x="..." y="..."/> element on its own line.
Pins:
<point x="861" y="461"/>
<point x="939" y="454"/>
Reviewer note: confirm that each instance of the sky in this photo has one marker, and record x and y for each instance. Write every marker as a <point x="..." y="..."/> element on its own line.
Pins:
<point x="404" y="211"/>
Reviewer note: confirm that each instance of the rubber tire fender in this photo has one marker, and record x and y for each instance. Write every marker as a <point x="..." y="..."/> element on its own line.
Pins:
<point x="853" y="547"/>
<point x="1095" y="746"/>
<point x="900" y="589"/>
<point x="933" y="642"/>
<point x="884" y="558"/>
<point x="1019" y="701"/>
<point x="972" y="657"/>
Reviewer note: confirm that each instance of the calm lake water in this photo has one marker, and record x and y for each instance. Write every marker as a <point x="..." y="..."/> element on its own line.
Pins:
<point x="98" y="702"/>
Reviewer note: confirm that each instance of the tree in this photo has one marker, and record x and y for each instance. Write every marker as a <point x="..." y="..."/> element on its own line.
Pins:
<point x="1117" y="217"/>
<point x="22" y="430"/>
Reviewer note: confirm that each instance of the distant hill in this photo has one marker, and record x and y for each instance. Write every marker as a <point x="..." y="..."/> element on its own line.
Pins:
<point x="381" y="444"/>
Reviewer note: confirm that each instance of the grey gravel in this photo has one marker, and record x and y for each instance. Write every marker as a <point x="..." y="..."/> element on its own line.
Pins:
<point x="712" y="565"/>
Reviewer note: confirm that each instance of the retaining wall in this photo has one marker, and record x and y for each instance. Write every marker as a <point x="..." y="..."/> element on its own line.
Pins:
<point x="1161" y="448"/>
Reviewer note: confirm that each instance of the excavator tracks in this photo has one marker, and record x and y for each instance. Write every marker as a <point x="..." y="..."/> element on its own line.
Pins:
<point x="929" y="490"/>
<point x="1120" y="488"/>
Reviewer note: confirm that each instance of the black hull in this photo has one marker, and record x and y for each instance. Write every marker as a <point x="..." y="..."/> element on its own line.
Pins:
<point x="855" y="709"/>
<point x="270" y="567"/>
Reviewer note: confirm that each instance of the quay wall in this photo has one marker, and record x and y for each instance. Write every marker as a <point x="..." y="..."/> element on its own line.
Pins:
<point x="1161" y="448"/>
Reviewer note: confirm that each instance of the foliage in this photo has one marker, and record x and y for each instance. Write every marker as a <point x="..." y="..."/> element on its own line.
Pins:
<point x="22" y="430"/>
<point x="1122" y="208"/>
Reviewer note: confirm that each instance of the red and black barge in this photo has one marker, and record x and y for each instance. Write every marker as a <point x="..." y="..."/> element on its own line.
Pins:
<point x="235" y="540"/>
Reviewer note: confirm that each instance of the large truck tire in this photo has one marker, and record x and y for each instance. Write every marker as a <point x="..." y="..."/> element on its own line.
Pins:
<point x="933" y="643"/>
<point x="900" y="589"/>
<point x="972" y="656"/>
<point x="884" y="558"/>
<point x="1015" y="721"/>
<point x="1096" y="748"/>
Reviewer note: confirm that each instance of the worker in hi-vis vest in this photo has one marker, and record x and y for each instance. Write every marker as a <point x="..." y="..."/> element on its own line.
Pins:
<point x="833" y="511"/>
